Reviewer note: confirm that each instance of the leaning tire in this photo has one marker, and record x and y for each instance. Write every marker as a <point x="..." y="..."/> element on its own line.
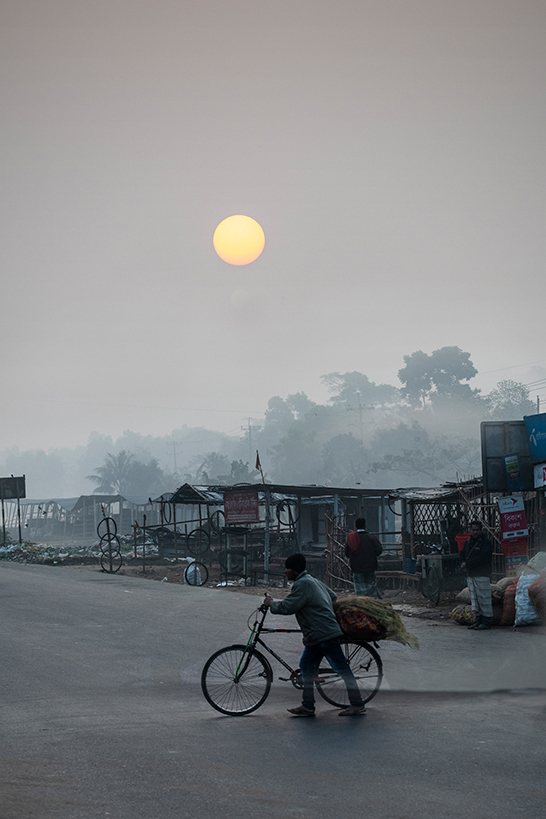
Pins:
<point x="111" y="563"/>
<point x="196" y="574"/>
<point x="198" y="541"/>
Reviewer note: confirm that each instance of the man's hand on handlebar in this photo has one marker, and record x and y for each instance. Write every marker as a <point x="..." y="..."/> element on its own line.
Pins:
<point x="267" y="601"/>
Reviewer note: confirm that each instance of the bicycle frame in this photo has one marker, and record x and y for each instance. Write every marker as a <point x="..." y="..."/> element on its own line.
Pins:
<point x="255" y="640"/>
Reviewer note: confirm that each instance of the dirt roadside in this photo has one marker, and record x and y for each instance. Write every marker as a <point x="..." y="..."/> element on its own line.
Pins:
<point x="410" y="603"/>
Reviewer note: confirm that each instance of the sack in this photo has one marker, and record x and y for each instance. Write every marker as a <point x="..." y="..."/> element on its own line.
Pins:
<point x="464" y="596"/>
<point x="537" y="593"/>
<point x="463" y="615"/>
<point x="509" y="606"/>
<point x="526" y="614"/>
<point x="360" y="626"/>
<point x="504" y="583"/>
<point x="538" y="562"/>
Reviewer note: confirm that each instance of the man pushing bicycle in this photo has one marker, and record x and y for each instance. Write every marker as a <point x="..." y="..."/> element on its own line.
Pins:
<point x="312" y="603"/>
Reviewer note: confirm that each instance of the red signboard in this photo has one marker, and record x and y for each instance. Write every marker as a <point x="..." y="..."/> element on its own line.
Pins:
<point x="512" y="517"/>
<point x="515" y="547"/>
<point x="241" y="507"/>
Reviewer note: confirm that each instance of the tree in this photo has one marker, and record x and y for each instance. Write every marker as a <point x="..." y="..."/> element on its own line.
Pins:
<point x="297" y="456"/>
<point x="112" y="477"/>
<point x="240" y="473"/>
<point x="412" y="452"/>
<point x="279" y="414"/>
<point x="510" y="400"/>
<point x="218" y="469"/>
<point x="122" y="474"/>
<point x="437" y="376"/>
<point x="354" y="389"/>
<point x="343" y="458"/>
<point x="214" y="469"/>
<point x="300" y="404"/>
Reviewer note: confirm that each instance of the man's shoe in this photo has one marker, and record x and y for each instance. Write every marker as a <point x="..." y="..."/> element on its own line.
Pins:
<point x="353" y="711"/>
<point x="301" y="711"/>
<point x="483" y="626"/>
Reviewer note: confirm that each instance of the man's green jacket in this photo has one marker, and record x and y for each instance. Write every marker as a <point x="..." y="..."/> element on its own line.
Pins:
<point x="311" y="601"/>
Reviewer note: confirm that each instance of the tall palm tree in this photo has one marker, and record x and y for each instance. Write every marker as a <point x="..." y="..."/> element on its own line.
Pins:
<point x="113" y="476"/>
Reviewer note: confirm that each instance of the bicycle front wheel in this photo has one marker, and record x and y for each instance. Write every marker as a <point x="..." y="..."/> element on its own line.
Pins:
<point x="236" y="681"/>
<point x="365" y="664"/>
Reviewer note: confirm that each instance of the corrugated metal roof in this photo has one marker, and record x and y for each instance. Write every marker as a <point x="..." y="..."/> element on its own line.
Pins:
<point x="447" y="490"/>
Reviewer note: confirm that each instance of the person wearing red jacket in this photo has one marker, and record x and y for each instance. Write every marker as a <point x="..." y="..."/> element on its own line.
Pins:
<point x="363" y="549"/>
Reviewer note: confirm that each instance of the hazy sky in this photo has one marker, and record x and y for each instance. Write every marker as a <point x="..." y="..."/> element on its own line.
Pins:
<point x="392" y="150"/>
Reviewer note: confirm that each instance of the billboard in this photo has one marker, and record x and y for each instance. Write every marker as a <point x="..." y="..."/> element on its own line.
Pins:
<point x="536" y="431"/>
<point x="241" y="507"/>
<point x="502" y="440"/>
<point x="12" y="488"/>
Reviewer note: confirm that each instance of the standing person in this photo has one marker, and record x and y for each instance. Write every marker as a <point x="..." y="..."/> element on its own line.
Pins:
<point x="311" y="601"/>
<point x="363" y="549"/>
<point x="477" y="563"/>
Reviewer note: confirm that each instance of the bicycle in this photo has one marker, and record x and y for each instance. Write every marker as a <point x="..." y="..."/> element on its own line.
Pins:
<point x="236" y="680"/>
<point x="430" y="583"/>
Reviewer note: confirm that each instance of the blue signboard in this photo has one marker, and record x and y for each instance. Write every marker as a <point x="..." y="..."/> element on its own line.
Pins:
<point x="536" y="430"/>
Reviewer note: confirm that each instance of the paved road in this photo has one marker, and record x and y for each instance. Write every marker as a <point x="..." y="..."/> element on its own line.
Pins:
<point x="102" y="715"/>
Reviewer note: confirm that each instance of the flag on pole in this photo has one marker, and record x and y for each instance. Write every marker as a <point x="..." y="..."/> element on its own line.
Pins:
<point x="259" y="466"/>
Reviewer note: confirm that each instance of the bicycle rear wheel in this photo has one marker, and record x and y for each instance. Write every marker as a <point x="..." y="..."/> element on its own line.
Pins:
<point x="433" y="586"/>
<point x="236" y="681"/>
<point x="365" y="664"/>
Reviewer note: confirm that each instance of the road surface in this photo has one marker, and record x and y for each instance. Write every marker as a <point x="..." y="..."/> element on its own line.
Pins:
<point x="102" y="715"/>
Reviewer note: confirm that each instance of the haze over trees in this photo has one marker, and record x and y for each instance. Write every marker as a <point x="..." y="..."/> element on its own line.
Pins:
<point x="374" y="435"/>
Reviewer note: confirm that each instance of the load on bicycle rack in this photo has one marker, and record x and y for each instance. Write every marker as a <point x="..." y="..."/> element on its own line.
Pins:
<point x="236" y="680"/>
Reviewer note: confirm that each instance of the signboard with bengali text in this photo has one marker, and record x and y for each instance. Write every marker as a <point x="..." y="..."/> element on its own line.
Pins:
<point x="513" y="519"/>
<point x="512" y="564"/>
<point x="241" y="507"/>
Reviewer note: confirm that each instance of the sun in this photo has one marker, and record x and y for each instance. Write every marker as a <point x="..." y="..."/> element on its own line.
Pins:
<point x="239" y="240"/>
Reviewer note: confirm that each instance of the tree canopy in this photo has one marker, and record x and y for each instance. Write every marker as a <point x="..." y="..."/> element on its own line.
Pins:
<point x="437" y="376"/>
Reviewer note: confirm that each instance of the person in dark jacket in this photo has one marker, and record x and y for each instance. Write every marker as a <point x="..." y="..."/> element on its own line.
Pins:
<point x="363" y="549"/>
<point x="312" y="603"/>
<point x="477" y="563"/>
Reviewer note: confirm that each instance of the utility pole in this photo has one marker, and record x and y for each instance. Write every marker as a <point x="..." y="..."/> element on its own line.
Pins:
<point x="249" y="430"/>
<point x="174" y="455"/>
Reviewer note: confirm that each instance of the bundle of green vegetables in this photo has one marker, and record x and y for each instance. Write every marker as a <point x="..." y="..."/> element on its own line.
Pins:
<point x="369" y="619"/>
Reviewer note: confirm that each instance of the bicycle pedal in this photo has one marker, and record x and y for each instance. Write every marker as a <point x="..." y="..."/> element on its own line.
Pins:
<point x="284" y="679"/>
